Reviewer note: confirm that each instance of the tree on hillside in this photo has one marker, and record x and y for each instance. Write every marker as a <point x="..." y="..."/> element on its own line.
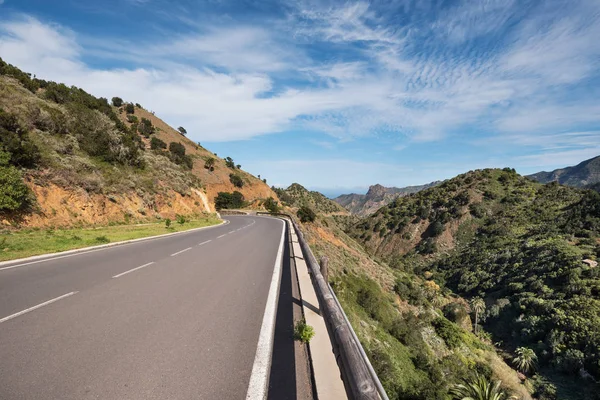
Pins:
<point x="525" y="360"/>
<point x="229" y="200"/>
<point x="177" y="149"/>
<point x="209" y="164"/>
<point x="271" y="205"/>
<point x="306" y="214"/>
<point x="236" y="180"/>
<point x="229" y="162"/>
<point x="157" y="144"/>
<point x="182" y="130"/>
<point x="145" y="127"/>
<point x="117" y="101"/>
<point x="238" y="166"/>
<point x="479" y="388"/>
<point x="478" y="306"/>
<point x="129" y="108"/>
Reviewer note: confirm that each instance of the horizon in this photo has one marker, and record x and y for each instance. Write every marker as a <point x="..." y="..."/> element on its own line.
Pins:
<point x="337" y="96"/>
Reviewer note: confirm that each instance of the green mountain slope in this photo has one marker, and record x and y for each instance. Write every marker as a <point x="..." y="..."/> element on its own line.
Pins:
<point x="580" y="175"/>
<point x="529" y="250"/>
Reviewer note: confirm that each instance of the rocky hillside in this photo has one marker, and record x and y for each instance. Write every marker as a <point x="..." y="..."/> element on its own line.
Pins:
<point x="377" y="196"/>
<point x="69" y="158"/>
<point x="297" y="196"/>
<point x="582" y="174"/>
<point x="529" y="250"/>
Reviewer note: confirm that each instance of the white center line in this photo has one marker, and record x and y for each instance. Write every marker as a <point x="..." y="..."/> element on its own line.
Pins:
<point x="36" y="307"/>
<point x="208" y="241"/>
<point x="179" y="252"/>
<point x="134" y="269"/>
<point x="219" y="237"/>
<point x="232" y="232"/>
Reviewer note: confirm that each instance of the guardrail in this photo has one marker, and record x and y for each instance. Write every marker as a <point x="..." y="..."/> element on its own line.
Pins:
<point x="360" y="380"/>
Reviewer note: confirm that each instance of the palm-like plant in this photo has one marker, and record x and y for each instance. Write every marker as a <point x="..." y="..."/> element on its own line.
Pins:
<point x="479" y="388"/>
<point x="478" y="306"/>
<point x="525" y="359"/>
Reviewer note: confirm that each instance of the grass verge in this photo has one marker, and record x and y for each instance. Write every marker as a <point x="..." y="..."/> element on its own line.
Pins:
<point x="32" y="242"/>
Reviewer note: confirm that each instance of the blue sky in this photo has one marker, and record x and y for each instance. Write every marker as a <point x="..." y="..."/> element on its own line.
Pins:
<point x="337" y="95"/>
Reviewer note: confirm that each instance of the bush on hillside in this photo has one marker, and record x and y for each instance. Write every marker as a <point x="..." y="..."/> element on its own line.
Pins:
<point x="209" y="164"/>
<point x="229" y="162"/>
<point x="145" y="128"/>
<point x="236" y="180"/>
<point x="182" y="130"/>
<point x="14" y="194"/>
<point x="157" y="144"/>
<point x="129" y="108"/>
<point x="178" y="156"/>
<point x="306" y="214"/>
<point x="225" y="200"/>
<point x="271" y="205"/>
<point x="117" y="101"/>
<point x="14" y="140"/>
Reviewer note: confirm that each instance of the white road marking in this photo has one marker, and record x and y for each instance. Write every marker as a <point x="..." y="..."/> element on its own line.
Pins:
<point x="232" y="232"/>
<point x="219" y="237"/>
<point x="134" y="269"/>
<point x="258" y="387"/>
<point x="179" y="252"/>
<point x="36" y="307"/>
<point x="79" y="252"/>
<point x="208" y="241"/>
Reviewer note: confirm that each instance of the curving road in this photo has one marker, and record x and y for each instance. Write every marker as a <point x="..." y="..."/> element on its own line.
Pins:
<point x="169" y="318"/>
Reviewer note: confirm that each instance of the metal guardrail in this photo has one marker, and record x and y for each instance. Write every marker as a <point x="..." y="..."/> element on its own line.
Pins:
<point x="360" y="380"/>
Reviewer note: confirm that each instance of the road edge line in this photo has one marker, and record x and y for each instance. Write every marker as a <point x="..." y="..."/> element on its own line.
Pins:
<point x="68" y="253"/>
<point x="259" y="378"/>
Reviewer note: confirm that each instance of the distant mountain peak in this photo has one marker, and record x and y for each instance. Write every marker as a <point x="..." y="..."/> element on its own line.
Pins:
<point x="583" y="174"/>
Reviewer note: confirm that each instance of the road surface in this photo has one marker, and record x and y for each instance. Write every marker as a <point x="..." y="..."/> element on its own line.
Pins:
<point x="169" y="318"/>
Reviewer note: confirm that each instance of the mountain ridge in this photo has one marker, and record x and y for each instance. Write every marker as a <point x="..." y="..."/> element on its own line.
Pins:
<point x="377" y="196"/>
<point x="583" y="174"/>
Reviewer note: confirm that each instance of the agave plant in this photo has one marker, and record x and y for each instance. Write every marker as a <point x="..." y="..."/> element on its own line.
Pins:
<point x="479" y="388"/>
<point x="525" y="359"/>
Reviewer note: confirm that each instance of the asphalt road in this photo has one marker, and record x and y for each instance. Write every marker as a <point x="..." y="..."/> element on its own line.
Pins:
<point x="171" y="318"/>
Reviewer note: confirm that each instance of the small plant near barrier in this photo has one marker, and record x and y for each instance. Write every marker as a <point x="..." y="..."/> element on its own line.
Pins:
<point x="180" y="219"/>
<point x="167" y="223"/>
<point x="303" y="332"/>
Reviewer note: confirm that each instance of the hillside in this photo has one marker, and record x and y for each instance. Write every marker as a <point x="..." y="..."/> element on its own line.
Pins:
<point x="377" y="196"/>
<point x="419" y="337"/>
<point x="529" y="250"/>
<point x="582" y="174"/>
<point x="84" y="161"/>
<point x="297" y="196"/>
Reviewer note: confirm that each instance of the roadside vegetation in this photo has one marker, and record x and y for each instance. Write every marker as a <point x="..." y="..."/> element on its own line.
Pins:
<point x="31" y="242"/>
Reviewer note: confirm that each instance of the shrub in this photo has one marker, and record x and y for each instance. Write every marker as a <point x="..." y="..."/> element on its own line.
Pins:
<point x="14" y="140"/>
<point x="271" y="205"/>
<point x="229" y="162"/>
<point x="182" y="130"/>
<point x="209" y="164"/>
<point x="303" y="332"/>
<point x="117" y="101"/>
<point x="180" y="219"/>
<point x="229" y="200"/>
<point x="14" y="194"/>
<point x="167" y="223"/>
<point x="448" y="331"/>
<point x="306" y="214"/>
<point x="177" y="149"/>
<point x="437" y="228"/>
<point x="178" y="156"/>
<point x="129" y="108"/>
<point x="146" y="128"/>
<point x="157" y="144"/>
<point x="236" y="180"/>
<point x="132" y="119"/>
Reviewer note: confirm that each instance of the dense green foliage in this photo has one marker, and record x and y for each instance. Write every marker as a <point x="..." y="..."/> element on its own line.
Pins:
<point x="14" y="195"/>
<point x="306" y="214"/>
<point x="519" y="245"/>
<point x="226" y="200"/>
<point x="271" y="205"/>
<point x="145" y="127"/>
<point x="157" y="144"/>
<point x="178" y="156"/>
<point x="15" y="142"/>
<point x="478" y="388"/>
<point x="229" y="162"/>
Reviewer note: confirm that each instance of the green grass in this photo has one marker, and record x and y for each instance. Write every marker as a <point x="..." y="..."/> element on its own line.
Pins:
<point x="31" y="242"/>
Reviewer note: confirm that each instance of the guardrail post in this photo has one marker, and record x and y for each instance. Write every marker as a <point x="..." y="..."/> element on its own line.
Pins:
<point x="324" y="268"/>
